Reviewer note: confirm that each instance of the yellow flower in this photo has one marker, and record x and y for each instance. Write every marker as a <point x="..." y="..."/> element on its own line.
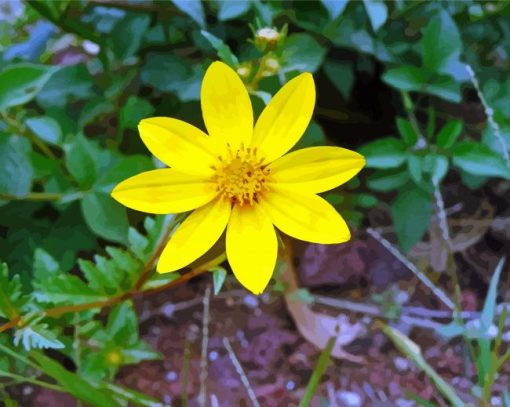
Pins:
<point x="237" y="178"/>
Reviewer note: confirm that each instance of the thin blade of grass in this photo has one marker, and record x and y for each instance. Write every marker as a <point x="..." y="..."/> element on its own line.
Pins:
<point x="413" y="352"/>
<point x="319" y="370"/>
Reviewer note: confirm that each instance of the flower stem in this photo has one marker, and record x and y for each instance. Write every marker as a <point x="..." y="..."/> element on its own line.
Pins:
<point x="32" y="196"/>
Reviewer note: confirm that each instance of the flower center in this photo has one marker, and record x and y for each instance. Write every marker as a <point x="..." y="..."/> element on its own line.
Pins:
<point x="241" y="176"/>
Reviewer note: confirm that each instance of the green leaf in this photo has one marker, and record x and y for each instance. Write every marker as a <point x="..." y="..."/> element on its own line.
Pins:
<point x="105" y="217"/>
<point x="302" y="53"/>
<point x="126" y="37"/>
<point x="134" y="110"/>
<point x="335" y="7"/>
<point x="46" y="128"/>
<point x="441" y="43"/>
<point x="11" y="296"/>
<point x="410" y="78"/>
<point x="411" y="212"/>
<point x="449" y="133"/>
<point x="227" y="9"/>
<point x="477" y="159"/>
<point x="406" y="78"/>
<point x="342" y="76"/>
<point x="66" y="289"/>
<point x="407" y="131"/>
<point x="224" y="51"/>
<point x="70" y="83"/>
<point x="80" y="161"/>
<point x="414" y="164"/>
<point x="19" y="83"/>
<point x="413" y="352"/>
<point x="36" y="335"/>
<point x="489" y="306"/>
<point x="17" y="172"/>
<point x="74" y="384"/>
<point x="377" y="13"/>
<point x="437" y="165"/>
<point x="384" y="153"/>
<point x="170" y="73"/>
<point x="192" y="8"/>
<point x="219" y="275"/>
<point x="94" y="108"/>
<point x="45" y="266"/>
<point x="122" y="325"/>
<point x="385" y="181"/>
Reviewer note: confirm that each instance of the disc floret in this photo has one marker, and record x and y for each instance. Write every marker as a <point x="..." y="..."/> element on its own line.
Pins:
<point x="241" y="176"/>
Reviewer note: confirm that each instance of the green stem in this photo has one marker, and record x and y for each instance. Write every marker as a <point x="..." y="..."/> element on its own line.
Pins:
<point x="32" y="196"/>
<point x="319" y="370"/>
<point x="24" y="379"/>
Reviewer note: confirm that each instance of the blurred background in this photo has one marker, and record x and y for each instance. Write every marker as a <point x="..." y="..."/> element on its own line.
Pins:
<point x="417" y="301"/>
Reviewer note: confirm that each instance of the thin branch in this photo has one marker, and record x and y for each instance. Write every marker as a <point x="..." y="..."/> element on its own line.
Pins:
<point x="60" y="310"/>
<point x="240" y="372"/>
<point x="489" y="112"/>
<point x="422" y="277"/>
<point x="205" y="342"/>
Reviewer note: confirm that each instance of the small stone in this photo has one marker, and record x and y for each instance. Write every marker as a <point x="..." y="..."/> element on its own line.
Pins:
<point x="171" y="376"/>
<point x="213" y="355"/>
<point x="168" y="309"/>
<point x="349" y="398"/>
<point x="251" y="301"/>
<point x="402" y="364"/>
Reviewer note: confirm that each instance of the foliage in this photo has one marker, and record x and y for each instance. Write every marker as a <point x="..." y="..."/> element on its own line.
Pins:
<point x="76" y="78"/>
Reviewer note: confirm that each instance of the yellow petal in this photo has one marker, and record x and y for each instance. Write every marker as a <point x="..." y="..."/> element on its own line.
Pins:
<point x="316" y="169"/>
<point x="305" y="216"/>
<point x="178" y="144"/>
<point x="286" y="117"/>
<point x="226" y="106"/>
<point x="164" y="191"/>
<point x="251" y="247"/>
<point x="195" y="235"/>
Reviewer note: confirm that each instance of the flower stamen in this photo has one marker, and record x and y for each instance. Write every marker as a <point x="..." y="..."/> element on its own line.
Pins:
<point x="241" y="177"/>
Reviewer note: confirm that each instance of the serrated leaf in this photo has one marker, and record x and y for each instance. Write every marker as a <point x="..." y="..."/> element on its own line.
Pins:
<point x="37" y="336"/>
<point x="138" y="244"/>
<point x="66" y="288"/>
<point x="11" y="295"/>
<point x="100" y="280"/>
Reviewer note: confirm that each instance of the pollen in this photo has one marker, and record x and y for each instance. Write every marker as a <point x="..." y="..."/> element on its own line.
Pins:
<point x="241" y="176"/>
